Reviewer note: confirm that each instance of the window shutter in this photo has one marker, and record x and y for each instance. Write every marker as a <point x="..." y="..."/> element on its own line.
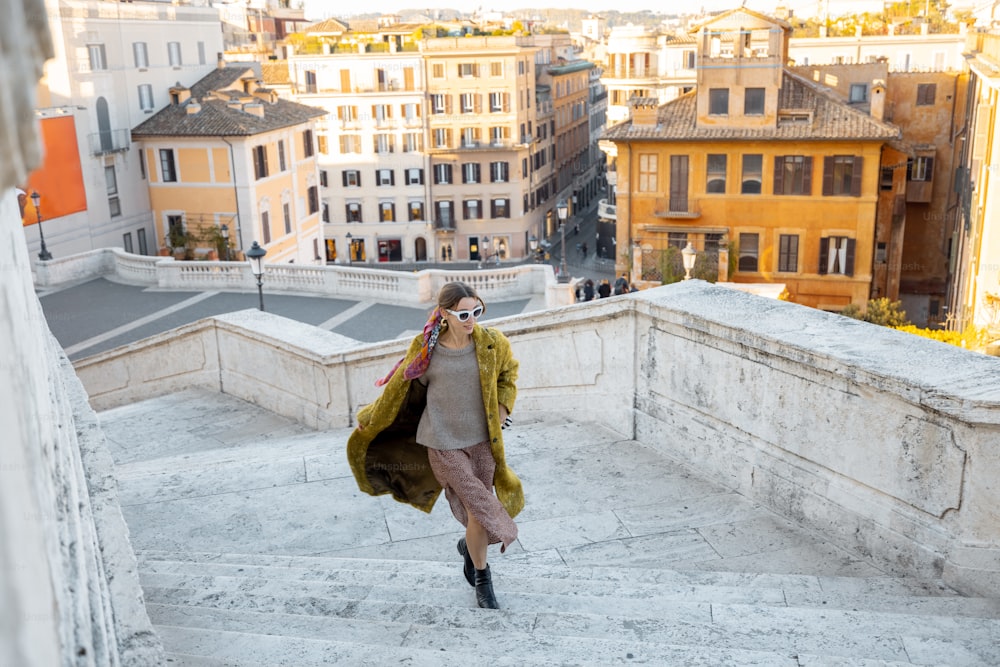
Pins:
<point x="807" y="172"/>
<point x="392" y="178"/>
<point x="856" y="176"/>
<point x="506" y="102"/>
<point x="477" y="102"/>
<point x="824" y="254"/>
<point x="359" y="178"/>
<point x="828" y="175"/>
<point x="779" y="172"/>
<point x="849" y="261"/>
<point x="929" y="170"/>
<point x="447" y="103"/>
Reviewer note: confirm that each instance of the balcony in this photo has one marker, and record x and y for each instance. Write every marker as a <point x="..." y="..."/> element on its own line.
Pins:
<point x="606" y="211"/>
<point x="446" y="224"/>
<point x="676" y="207"/>
<point x="109" y="141"/>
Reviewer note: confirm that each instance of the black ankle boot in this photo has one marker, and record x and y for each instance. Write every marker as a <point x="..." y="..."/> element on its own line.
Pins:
<point x="469" y="569"/>
<point x="484" y="590"/>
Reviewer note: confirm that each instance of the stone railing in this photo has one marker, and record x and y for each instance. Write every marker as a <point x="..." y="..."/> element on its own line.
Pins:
<point x="885" y="442"/>
<point x="606" y="211"/>
<point x="400" y="287"/>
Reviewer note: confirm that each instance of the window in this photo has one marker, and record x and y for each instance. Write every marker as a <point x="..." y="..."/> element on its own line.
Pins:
<point x="174" y="54"/>
<point x="281" y="155"/>
<point x="470" y="172"/>
<point x="350" y="143"/>
<point x="688" y="57"/>
<point x="753" y="102"/>
<point x="411" y="112"/>
<point x="748" y="252"/>
<point x="347" y="114"/>
<point x="753" y="174"/>
<point x="414" y="176"/>
<point x="146" y="97"/>
<point x="111" y="181"/>
<point x="442" y="174"/>
<point x="142" y="165"/>
<point x="920" y="168"/>
<point x="718" y="101"/>
<point x="439" y="103"/>
<point x="286" y="216"/>
<point x="382" y="113"/>
<point x="313" y="198"/>
<point x="384" y="143"/>
<point x="472" y="209"/>
<point x="836" y="255"/>
<point x="496" y="69"/>
<point x="470" y="137"/>
<point x="324" y="178"/>
<point x="437" y="70"/>
<point x="443" y="213"/>
<point x="499" y="135"/>
<point x="324" y="212"/>
<point x="140" y="234"/>
<point x="307" y="144"/>
<point x="140" y="54"/>
<point x="788" y="253"/>
<point x="416" y="210"/>
<point x="385" y="177"/>
<point x="678" y="183"/>
<point x="127" y="242"/>
<point x="353" y="210"/>
<point x="497" y="102"/>
<point x="386" y="211"/>
<point x="842" y="175"/>
<point x="885" y="180"/>
<point x="168" y="173"/>
<point x="858" y="93"/>
<point x="260" y="162"/>
<point x="500" y="208"/>
<point x="466" y="70"/>
<point x="442" y="137"/>
<point x="98" y="59"/>
<point x="499" y="172"/>
<point x="792" y="175"/>
<point x="351" y="178"/>
<point x="716" y="173"/>
<point x="467" y="102"/>
<point x="412" y="142"/>
<point x="647" y="172"/>
<point x="265" y="226"/>
<point x="925" y="94"/>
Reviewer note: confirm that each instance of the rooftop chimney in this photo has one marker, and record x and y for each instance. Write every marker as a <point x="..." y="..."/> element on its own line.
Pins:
<point x="878" y="99"/>
<point x="220" y="61"/>
<point x="644" y="111"/>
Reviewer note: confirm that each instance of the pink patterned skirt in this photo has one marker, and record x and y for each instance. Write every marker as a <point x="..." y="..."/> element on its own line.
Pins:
<point x="467" y="478"/>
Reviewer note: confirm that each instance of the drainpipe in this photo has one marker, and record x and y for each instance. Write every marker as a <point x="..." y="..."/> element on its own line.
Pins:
<point x="236" y="194"/>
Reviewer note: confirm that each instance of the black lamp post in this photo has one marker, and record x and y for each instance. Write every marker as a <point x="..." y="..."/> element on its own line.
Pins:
<point x="224" y="230"/>
<point x="44" y="254"/>
<point x="563" y="211"/>
<point x="255" y="255"/>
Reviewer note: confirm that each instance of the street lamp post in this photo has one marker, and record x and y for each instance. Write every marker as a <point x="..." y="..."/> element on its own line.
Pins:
<point x="44" y="253"/>
<point x="225" y="240"/>
<point x="533" y="245"/>
<point x="350" y="249"/>
<point x="562" y="210"/>
<point x="255" y="255"/>
<point x="688" y="255"/>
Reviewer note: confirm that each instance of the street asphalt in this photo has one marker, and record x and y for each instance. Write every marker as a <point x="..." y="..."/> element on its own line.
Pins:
<point x="99" y="315"/>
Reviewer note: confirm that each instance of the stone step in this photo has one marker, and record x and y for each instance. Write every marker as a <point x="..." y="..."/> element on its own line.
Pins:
<point x="289" y="639"/>
<point x="755" y="627"/>
<point x="885" y="593"/>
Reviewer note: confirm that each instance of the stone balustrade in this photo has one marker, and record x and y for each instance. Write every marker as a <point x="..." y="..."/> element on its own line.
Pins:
<point x="386" y="285"/>
<point x="606" y="211"/>
<point x="885" y="442"/>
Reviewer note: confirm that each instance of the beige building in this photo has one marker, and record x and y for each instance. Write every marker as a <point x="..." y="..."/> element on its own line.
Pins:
<point x="229" y="163"/>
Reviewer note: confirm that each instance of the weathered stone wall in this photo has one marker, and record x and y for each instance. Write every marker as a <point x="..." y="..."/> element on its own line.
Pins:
<point x="887" y="442"/>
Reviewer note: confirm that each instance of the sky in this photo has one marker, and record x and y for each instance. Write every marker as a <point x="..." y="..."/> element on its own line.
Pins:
<point x="316" y="9"/>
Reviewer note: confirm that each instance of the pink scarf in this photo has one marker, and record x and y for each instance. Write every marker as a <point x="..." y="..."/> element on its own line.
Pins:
<point x="420" y="363"/>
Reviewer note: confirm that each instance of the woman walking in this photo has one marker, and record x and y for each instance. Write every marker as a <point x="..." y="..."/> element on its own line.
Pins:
<point x="437" y="425"/>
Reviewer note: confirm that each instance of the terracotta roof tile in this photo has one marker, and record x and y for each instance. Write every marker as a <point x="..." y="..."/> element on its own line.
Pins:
<point x="832" y="119"/>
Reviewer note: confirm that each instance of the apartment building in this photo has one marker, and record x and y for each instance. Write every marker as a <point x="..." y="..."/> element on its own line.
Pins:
<point x="228" y="162"/>
<point x="975" y="295"/>
<point x="770" y="177"/>
<point x="112" y="67"/>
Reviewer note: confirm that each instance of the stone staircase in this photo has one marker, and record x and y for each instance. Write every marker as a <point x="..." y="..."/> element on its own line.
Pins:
<point x="255" y="549"/>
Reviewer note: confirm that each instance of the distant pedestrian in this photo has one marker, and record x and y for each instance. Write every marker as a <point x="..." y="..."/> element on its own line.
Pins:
<point x="621" y="284"/>
<point x="585" y="251"/>
<point x="576" y="228"/>
<point x="604" y="289"/>
<point x="588" y="290"/>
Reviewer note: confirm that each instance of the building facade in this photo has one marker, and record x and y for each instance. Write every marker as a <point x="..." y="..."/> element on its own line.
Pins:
<point x="228" y="163"/>
<point x="770" y="177"/>
<point x="112" y="67"/>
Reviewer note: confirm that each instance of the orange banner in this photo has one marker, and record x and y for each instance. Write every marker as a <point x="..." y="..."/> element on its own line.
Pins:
<point x="59" y="180"/>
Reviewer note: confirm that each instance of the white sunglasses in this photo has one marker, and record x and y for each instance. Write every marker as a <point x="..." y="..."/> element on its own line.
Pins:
<point x="464" y="315"/>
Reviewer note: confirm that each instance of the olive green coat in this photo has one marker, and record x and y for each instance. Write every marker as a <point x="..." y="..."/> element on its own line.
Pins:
<point x="384" y="455"/>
